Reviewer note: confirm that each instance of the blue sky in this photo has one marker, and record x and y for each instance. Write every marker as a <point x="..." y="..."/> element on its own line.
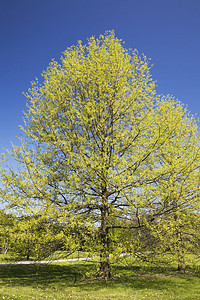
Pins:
<point x="32" y="32"/>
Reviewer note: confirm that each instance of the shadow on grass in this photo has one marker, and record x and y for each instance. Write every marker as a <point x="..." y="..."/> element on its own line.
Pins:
<point x="73" y="274"/>
<point x="41" y="274"/>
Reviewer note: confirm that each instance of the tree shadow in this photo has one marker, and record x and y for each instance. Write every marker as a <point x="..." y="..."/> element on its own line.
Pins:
<point x="41" y="274"/>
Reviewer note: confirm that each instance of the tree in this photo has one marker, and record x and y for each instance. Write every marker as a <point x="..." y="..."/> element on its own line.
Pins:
<point x="178" y="190"/>
<point x="94" y="143"/>
<point x="7" y="222"/>
<point x="36" y="236"/>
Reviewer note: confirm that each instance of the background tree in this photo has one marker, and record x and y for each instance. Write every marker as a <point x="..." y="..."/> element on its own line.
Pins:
<point x="178" y="189"/>
<point x="7" y="222"/>
<point x="94" y="138"/>
<point x="37" y="237"/>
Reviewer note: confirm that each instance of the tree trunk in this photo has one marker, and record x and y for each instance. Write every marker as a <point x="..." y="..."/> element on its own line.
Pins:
<point x="180" y="254"/>
<point x="104" y="255"/>
<point x="4" y="250"/>
<point x="181" y="266"/>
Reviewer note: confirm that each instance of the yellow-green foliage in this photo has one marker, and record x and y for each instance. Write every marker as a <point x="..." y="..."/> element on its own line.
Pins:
<point x="36" y="237"/>
<point x="7" y="222"/>
<point x="101" y="150"/>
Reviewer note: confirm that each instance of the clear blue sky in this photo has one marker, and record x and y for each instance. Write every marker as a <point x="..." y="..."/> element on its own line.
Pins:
<point x="32" y="32"/>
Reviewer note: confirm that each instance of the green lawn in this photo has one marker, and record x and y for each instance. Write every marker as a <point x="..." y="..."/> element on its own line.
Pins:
<point x="67" y="281"/>
<point x="11" y="257"/>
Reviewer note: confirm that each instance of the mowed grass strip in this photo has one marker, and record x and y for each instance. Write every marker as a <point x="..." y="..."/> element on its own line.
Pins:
<point x="13" y="257"/>
<point x="68" y="281"/>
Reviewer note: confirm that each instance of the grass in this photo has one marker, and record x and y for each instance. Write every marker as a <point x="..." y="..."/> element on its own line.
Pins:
<point x="68" y="281"/>
<point x="11" y="257"/>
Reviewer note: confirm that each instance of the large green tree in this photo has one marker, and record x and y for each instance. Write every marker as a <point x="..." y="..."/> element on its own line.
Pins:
<point x="95" y="146"/>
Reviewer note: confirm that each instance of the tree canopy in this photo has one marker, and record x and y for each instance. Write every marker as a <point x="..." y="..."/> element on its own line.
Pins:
<point x="101" y="150"/>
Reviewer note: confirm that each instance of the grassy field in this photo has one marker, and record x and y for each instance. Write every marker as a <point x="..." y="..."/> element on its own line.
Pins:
<point x="69" y="281"/>
<point x="10" y="257"/>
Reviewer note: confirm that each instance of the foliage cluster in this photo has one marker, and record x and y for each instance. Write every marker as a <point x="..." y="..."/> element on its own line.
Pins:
<point x="101" y="152"/>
